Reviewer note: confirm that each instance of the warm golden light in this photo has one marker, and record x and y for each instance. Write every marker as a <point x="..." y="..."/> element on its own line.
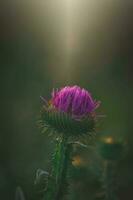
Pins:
<point x="62" y="26"/>
<point x="75" y="35"/>
<point x="78" y="161"/>
<point x="109" y="140"/>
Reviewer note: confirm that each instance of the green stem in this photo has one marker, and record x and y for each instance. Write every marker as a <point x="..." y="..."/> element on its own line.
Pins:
<point x="57" y="182"/>
<point x="109" y="183"/>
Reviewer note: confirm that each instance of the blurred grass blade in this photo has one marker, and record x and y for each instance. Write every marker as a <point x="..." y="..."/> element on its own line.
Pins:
<point x="19" y="194"/>
<point x="41" y="177"/>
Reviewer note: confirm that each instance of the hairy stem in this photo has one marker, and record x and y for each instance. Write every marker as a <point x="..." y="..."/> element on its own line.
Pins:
<point x="57" y="183"/>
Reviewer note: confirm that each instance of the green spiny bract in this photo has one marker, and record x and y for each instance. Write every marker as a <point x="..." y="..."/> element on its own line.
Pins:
<point x="56" y="122"/>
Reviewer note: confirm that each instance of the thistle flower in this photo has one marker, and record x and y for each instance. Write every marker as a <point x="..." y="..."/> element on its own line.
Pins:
<point x="111" y="149"/>
<point x="75" y="101"/>
<point x="70" y="110"/>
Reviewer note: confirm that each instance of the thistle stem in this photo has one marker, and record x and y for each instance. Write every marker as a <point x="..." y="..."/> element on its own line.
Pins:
<point x="109" y="183"/>
<point x="57" y="183"/>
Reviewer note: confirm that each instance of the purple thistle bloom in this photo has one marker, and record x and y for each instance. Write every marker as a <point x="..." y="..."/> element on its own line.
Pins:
<point x="75" y="101"/>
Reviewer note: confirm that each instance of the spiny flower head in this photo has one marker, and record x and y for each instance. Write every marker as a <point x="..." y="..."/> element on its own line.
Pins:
<point x="71" y="110"/>
<point x="75" y="101"/>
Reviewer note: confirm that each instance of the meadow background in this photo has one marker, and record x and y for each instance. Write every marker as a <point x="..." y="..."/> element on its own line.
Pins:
<point x="50" y="44"/>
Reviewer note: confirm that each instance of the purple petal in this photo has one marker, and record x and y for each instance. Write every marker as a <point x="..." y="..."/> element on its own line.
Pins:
<point x="74" y="100"/>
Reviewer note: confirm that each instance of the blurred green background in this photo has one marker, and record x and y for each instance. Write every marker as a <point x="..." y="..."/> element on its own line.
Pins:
<point x="50" y="44"/>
